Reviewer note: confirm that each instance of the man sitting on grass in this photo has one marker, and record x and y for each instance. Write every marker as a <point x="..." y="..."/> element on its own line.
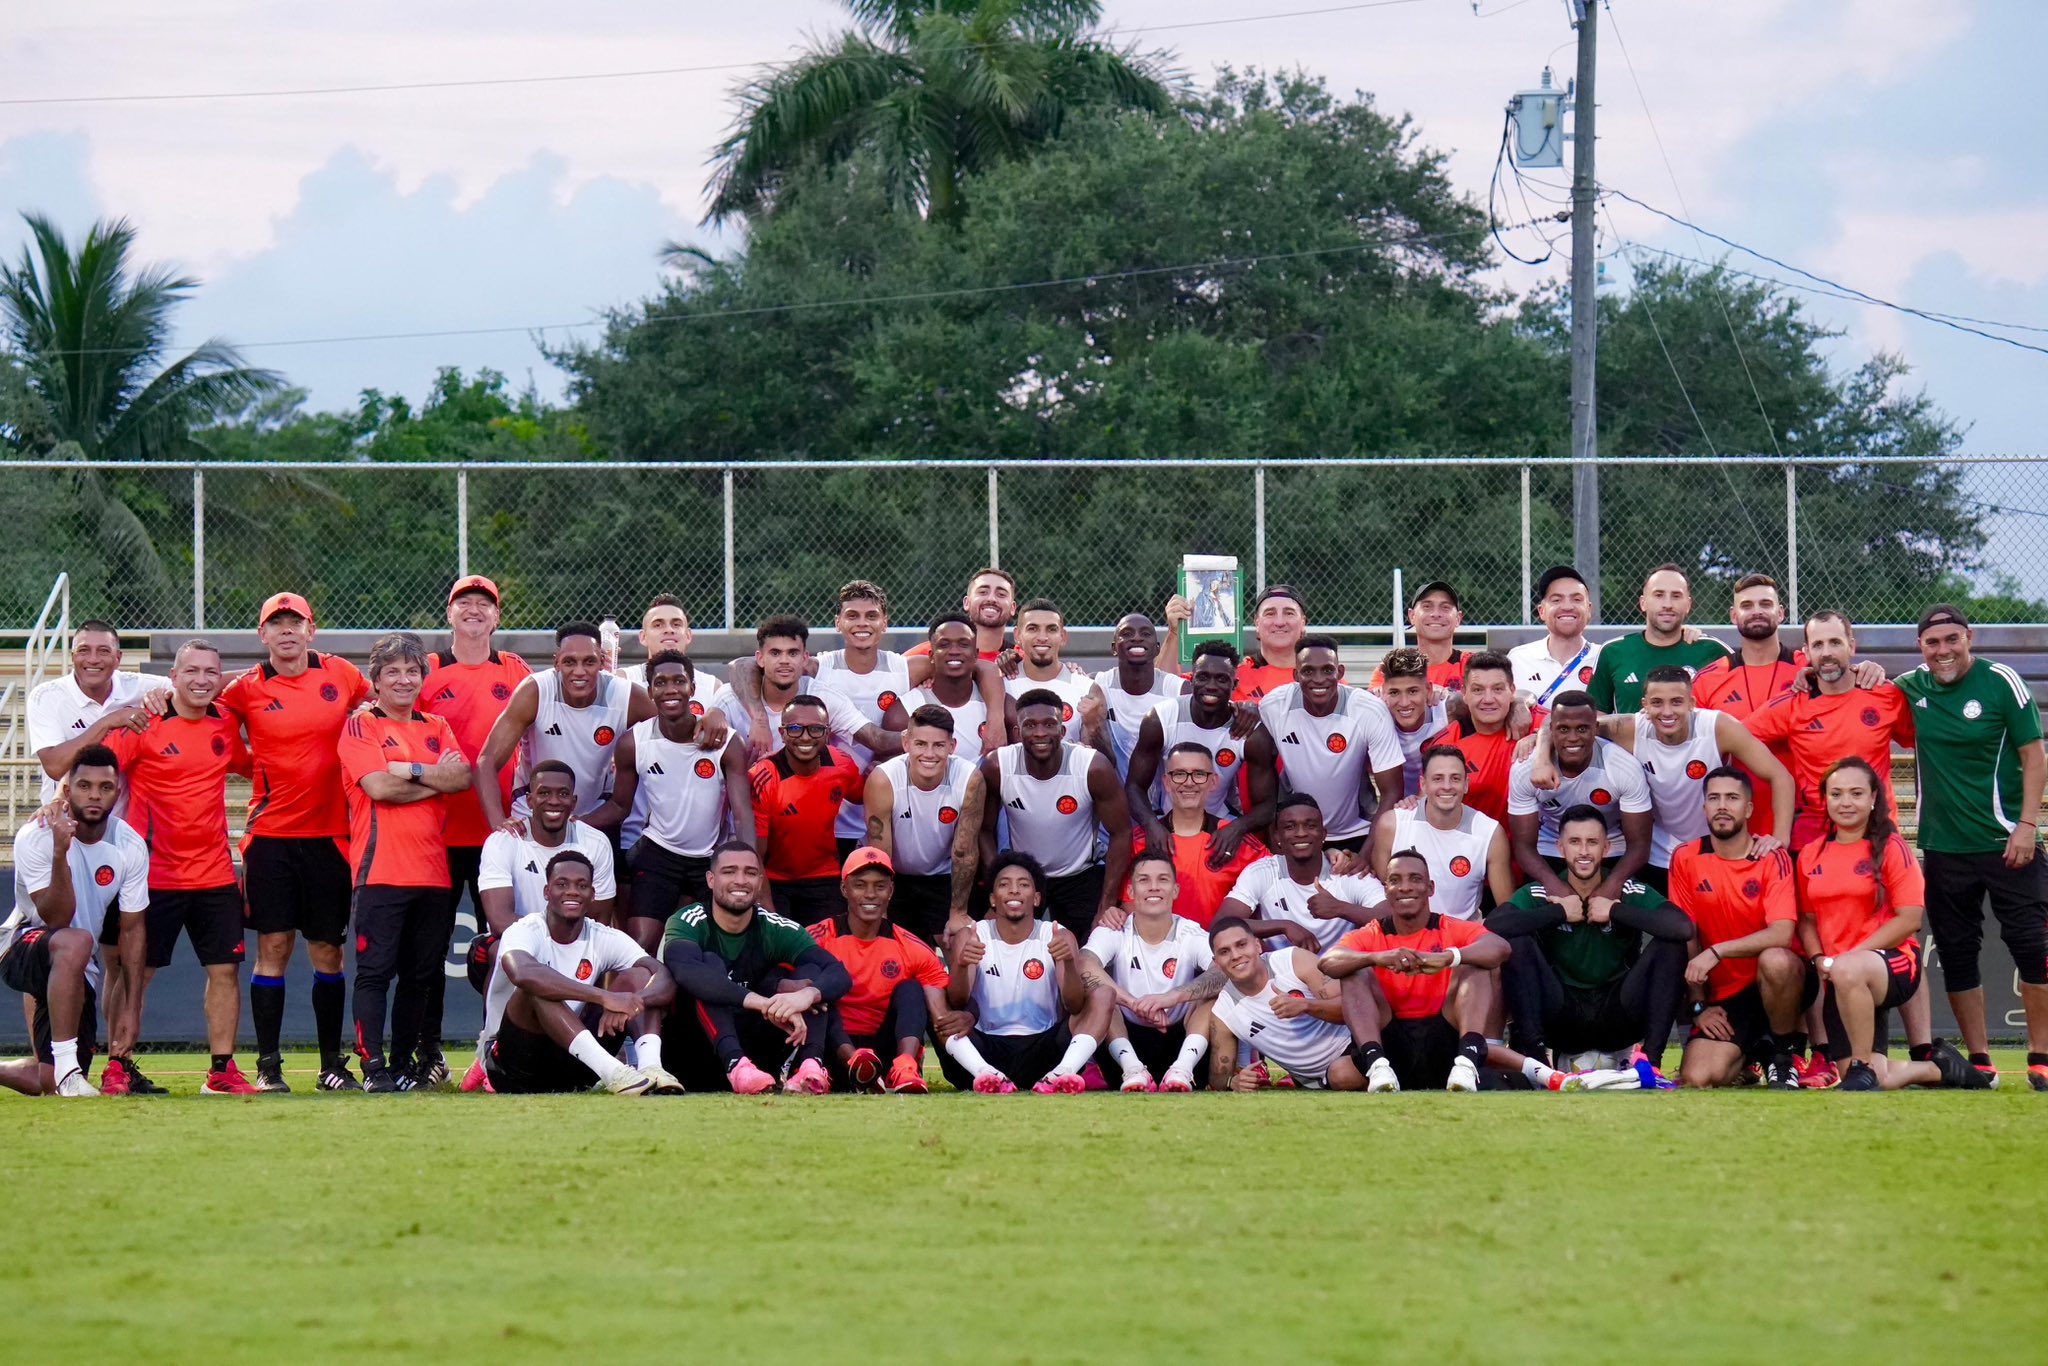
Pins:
<point x="898" y="982"/>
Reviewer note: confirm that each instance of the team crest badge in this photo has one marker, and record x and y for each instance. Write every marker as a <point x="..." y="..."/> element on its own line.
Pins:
<point x="604" y="735"/>
<point x="1870" y="716"/>
<point x="433" y="744"/>
<point x="1972" y="709"/>
<point x="1034" y="968"/>
<point x="892" y="969"/>
<point x="1169" y="967"/>
<point x="1586" y="673"/>
<point x="1601" y="797"/>
<point x="329" y="693"/>
<point x="103" y="875"/>
<point x="1066" y="806"/>
<point x="705" y="768"/>
<point x="583" y="970"/>
<point x="220" y="746"/>
<point x="948" y="814"/>
<point x="1864" y="867"/>
<point x="1337" y="744"/>
<point x="1696" y="770"/>
<point x="1752" y="888"/>
<point x="1461" y="866"/>
<point x="1225" y="758"/>
<point x="886" y="701"/>
<point x="500" y="692"/>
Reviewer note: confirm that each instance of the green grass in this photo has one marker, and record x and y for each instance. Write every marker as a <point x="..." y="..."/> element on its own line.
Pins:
<point x="1730" y="1227"/>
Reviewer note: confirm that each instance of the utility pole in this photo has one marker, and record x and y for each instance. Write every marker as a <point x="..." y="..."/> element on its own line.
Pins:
<point x="1585" y="313"/>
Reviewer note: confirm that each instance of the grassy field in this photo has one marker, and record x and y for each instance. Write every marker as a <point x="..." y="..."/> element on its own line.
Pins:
<point x="1740" y="1226"/>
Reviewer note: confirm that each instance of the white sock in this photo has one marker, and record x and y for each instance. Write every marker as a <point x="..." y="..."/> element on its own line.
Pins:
<point x="647" y="1051"/>
<point x="1078" y="1053"/>
<point x="963" y="1051"/>
<point x="1126" y="1056"/>
<point x="1537" y="1072"/>
<point x="64" y="1057"/>
<point x="587" y="1050"/>
<point x="1190" y="1056"/>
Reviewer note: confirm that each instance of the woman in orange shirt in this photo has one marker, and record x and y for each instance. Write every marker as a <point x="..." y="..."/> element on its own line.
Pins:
<point x="1861" y="901"/>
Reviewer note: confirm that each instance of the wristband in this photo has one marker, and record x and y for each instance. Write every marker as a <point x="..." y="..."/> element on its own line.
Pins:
<point x="1457" y="956"/>
<point x="1715" y="949"/>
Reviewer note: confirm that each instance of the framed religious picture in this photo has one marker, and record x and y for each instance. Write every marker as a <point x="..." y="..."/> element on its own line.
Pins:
<point x="1215" y="594"/>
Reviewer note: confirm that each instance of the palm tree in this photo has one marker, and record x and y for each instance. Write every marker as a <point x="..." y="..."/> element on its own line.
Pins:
<point x="84" y="377"/>
<point x="933" y="91"/>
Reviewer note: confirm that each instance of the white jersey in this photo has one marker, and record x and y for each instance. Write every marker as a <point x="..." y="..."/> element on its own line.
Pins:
<point x="702" y="686"/>
<point x="1128" y="710"/>
<point x="682" y="790"/>
<point x="1612" y="782"/>
<point x="1266" y="888"/>
<point x="581" y="737"/>
<point x="1543" y="676"/>
<point x="59" y="712"/>
<point x="1305" y="1045"/>
<point x="1457" y="857"/>
<point x="869" y="694"/>
<point x="1070" y="686"/>
<point x="596" y="950"/>
<point x="1051" y="819"/>
<point x="108" y="876"/>
<point x="970" y="721"/>
<point x="1673" y="772"/>
<point x="1332" y="758"/>
<point x="924" y="823"/>
<point x="840" y="715"/>
<point x="521" y="863"/>
<point x="1016" y="986"/>
<point x="1176" y="716"/>
<point x="1412" y="742"/>
<point x="1146" y="969"/>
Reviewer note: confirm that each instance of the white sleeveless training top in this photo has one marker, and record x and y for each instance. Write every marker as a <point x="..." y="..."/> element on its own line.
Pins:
<point x="581" y="737"/>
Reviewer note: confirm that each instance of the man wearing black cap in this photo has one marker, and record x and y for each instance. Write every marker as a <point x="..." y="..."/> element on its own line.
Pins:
<point x="1980" y="776"/>
<point x="1279" y="621"/>
<point x="1562" y="659"/>
<point x="1435" y="616"/>
<point x="1624" y="668"/>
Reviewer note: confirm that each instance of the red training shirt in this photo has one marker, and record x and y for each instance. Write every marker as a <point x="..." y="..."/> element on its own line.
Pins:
<point x="1256" y="678"/>
<point x="1488" y="760"/>
<point x="878" y="966"/>
<point x="293" y="724"/>
<point x="1849" y="898"/>
<point x="1200" y="889"/>
<point x="794" y="813"/>
<point x="1418" y="995"/>
<point x="395" y="844"/>
<point x="177" y="775"/>
<point x="1819" y="729"/>
<point x="471" y="698"/>
<point x="1742" y="690"/>
<point x="1728" y="899"/>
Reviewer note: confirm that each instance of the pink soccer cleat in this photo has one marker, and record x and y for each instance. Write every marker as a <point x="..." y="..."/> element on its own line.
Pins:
<point x="747" y="1079"/>
<point x="994" y="1084"/>
<point x="1067" y="1084"/>
<point x="1138" y="1081"/>
<point x="863" y="1067"/>
<point x="808" y="1080"/>
<point x="1176" y="1080"/>
<point x="477" y="1079"/>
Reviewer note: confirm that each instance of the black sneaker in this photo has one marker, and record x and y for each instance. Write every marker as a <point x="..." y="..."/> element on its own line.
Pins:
<point x="1955" y="1069"/>
<point x="1860" y="1076"/>
<point x="270" y="1075"/>
<point x="335" y="1076"/>
<point x="432" y="1069"/>
<point x="1782" y="1074"/>
<point x="139" y="1085"/>
<point x="405" y="1081"/>
<point x="378" y="1081"/>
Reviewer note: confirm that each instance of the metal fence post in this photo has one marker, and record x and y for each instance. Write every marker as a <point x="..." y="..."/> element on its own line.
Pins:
<point x="728" y="549"/>
<point x="1525" y="545"/>
<point x="1791" y="542"/>
<point x="995" y="548"/>
<point x="462" y="524"/>
<point x="198" y="548"/>
<point x="1259" y="526"/>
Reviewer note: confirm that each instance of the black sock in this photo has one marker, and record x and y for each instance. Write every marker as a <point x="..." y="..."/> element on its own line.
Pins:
<point x="1980" y="1060"/>
<point x="2037" y="1059"/>
<point x="330" y="999"/>
<point x="221" y="1061"/>
<point x="1366" y="1054"/>
<point x="1795" y="1043"/>
<point x="1473" y="1046"/>
<point x="266" y="1012"/>
<point x="1921" y="1052"/>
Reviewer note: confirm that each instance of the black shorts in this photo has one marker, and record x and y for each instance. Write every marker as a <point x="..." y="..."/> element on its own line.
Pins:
<point x="1421" y="1051"/>
<point x="1749" y="1020"/>
<point x="465" y="861"/>
<point x="110" y="929"/>
<point x="921" y="903"/>
<point x="211" y="917"/>
<point x="808" y="900"/>
<point x="663" y="881"/>
<point x="1958" y="885"/>
<point x="1902" y="971"/>
<point x="1592" y="1019"/>
<point x="1902" y="979"/>
<point x="1656" y="879"/>
<point x="26" y="969"/>
<point x="520" y="1062"/>
<point x="1072" y="899"/>
<point x="297" y="885"/>
<point x="1023" y="1058"/>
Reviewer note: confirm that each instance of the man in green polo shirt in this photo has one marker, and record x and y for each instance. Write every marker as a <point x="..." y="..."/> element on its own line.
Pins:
<point x="1625" y="664"/>
<point x="1981" y="769"/>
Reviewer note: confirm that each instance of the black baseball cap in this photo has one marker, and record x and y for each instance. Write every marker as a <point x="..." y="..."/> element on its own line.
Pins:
<point x="1553" y="574"/>
<point x="1942" y="614"/>
<point x="1281" y="590"/>
<point x="1437" y="586"/>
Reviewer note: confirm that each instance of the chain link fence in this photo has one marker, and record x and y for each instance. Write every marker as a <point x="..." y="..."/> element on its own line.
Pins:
<point x="182" y="546"/>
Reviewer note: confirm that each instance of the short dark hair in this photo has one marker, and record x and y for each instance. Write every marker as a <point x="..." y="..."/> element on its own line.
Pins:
<point x="931" y="632"/>
<point x="196" y="643"/>
<point x="1316" y="642"/>
<point x="1042" y="605"/>
<point x="1153" y="856"/>
<point x="856" y="589"/>
<point x="1005" y="575"/>
<point x="1489" y="661"/>
<point x="1577" y="697"/>
<point x="733" y="846"/>
<point x="661" y="600"/>
<point x="552" y="766"/>
<point x="1749" y="581"/>
<point x="1832" y="614"/>
<point x="576" y="628"/>
<point x="1041" y="697"/>
<point x="1576" y="815"/>
<point x="95" y="756"/>
<point x="1669" y="568"/>
<point x="1668" y="673"/>
<point x="933" y="715"/>
<point x="95" y="626"/>
<point x="1406" y="662"/>
<point x="1435" y="752"/>
<point x="1227" y="923"/>
<point x="1192" y="747"/>
<point x="1217" y="647"/>
<point x="1729" y="771"/>
<point x="806" y="699"/>
<point x="662" y="657"/>
<point x="1410" y="852"/>
<point x="1017" y="858"/>
<point x="1290" y="800"/>
<point x="571" y="856"/>
<point x="782" y="626"/>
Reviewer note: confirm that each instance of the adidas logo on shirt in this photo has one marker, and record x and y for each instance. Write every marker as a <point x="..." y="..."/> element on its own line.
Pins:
<point x="1816" y="724"/>
<point x="275" y="705"/>
<point x="552" y="730"/>
<point x="1630" y="679"/>
<point x="532" y="867"/>
<point x="654" y="768"/>
<point x="1920" y="702"/>
<point x="1015" y="803"/>
<point x="1706" y="886"/>
<point x="79" y="724"/>
<point x="171" y="748"/>
<point x="445" y="695"/>
<point x="790" y="810"/>
<point x="390" y="742"/>
<point x="1292" y="739"/>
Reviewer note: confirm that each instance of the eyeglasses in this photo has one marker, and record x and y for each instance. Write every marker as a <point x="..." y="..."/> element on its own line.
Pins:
<point x="796" y="732"/>
<point x="1188" y="777"/>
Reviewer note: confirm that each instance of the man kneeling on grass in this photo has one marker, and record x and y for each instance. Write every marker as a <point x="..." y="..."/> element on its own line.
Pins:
<point x="1418" y="1018"/>
<point x="552" y="1026"/>
<point x="1280" y="1004"/>
<point x="898" y="982"/>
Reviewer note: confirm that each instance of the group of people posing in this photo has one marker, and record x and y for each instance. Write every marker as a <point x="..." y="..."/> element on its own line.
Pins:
<point x="1478" y="870"/>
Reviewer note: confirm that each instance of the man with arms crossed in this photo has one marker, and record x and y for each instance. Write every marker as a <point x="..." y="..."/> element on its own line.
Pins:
<point x="924" y="811"/>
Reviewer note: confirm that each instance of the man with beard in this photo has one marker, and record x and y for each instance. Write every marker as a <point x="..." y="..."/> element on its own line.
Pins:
<point x="1331" y="740"/>
<point x="1134" y="685"/>
<point x="1625" y="664"/>
<point x="925" y="812"/>
<point x="1592" y="773"/>
<point x="1041" y="637"/>
<point x="1486" y="736"/>
<point x="574" y="712"/>
<point x="1204" y="716"/>
<point x="1562" y="658"/>
<point x="976" y="730"/>
<point x="1051" y="796"/>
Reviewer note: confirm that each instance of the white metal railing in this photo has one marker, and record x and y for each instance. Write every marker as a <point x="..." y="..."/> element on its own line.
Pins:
<point x="48" y="641"/>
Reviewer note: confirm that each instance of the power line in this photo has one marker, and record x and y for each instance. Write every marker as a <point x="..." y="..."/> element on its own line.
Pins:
<point x="1946" y="320"/>
<point x="637" y="74"/>
<point x="915" y="296"/>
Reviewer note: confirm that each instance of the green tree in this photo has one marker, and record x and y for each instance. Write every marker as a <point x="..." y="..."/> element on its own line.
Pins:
<point x="926" y="93"/>
<point x="85" y="337"/>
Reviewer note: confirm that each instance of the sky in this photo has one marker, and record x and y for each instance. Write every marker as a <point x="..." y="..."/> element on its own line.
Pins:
<point x="1890" y="145"/>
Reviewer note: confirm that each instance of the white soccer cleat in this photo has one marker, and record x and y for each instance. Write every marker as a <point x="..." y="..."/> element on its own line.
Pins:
<point x="1380" y="1078"/>
<point x="73" y="1083"/>
<point x="665" y="1082"/>
<point x="1464" y="1076"/>
<point x="1603" y="1079"/>
<point x="1177" y="1080"/>
<point x="1140" y="1080"/>
<point x="628" y="1081"/>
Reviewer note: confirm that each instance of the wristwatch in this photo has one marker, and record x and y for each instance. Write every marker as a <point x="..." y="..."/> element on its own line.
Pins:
<point x="417" y="771"/>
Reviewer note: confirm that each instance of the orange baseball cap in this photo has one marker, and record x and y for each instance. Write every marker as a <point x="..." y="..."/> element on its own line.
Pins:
<point x="474" y="583"/>
<point x="867" y="856"/>
<point x="284" y="602"/>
